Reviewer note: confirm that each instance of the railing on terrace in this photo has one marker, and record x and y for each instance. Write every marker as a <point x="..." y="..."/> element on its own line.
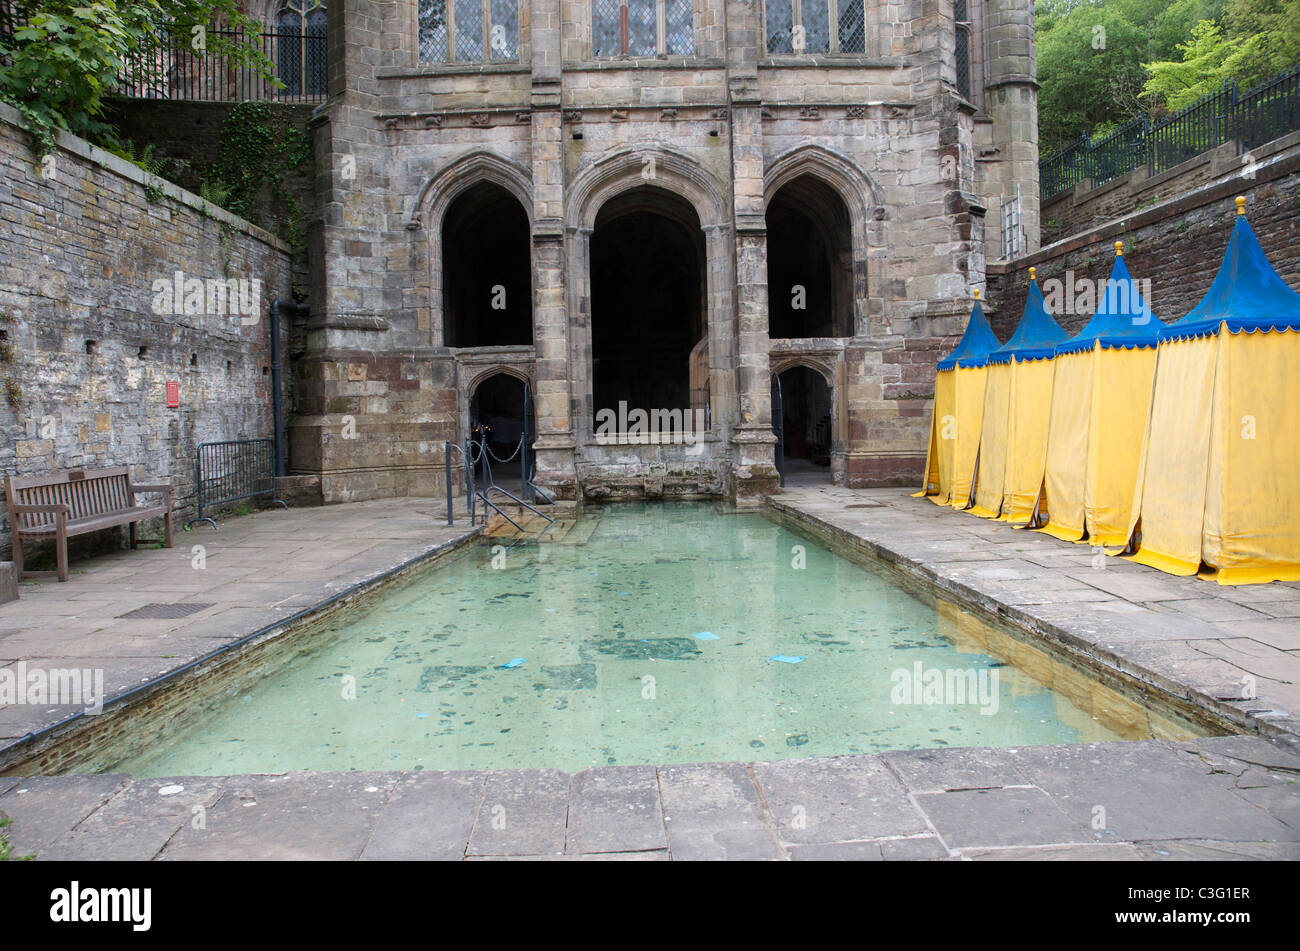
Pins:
<point x="176" y="70"/>
<point x="1262" y="114"/>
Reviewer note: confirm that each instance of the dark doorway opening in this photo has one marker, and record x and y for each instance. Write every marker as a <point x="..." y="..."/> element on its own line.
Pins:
<point x="809" y="262"/>
<point x="804" y="411"/>
<point x="487" y="271"/>
<point x="497" y="412"/>
<point x="647" y="301"/>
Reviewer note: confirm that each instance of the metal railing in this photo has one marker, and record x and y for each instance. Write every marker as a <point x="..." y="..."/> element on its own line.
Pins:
<point x="227" y="472"/>
<point x="1259" y="115"/>
<point x="175" y="69"/>
<point x="476" y="456"/>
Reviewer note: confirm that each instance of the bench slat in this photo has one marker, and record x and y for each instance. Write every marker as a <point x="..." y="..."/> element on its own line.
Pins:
<point x="106" y="520"/>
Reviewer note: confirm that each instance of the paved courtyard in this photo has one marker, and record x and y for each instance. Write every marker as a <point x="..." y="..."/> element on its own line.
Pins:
<point x="1216" y="798"/>
<point x="1208" y="798"/>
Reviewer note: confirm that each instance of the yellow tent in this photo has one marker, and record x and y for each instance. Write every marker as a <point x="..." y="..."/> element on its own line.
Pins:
<point x="1100" y="395"/>
<point x="1017" y="400"/>
<point x="955" y="419"/>
<point x="1220" y="480"/>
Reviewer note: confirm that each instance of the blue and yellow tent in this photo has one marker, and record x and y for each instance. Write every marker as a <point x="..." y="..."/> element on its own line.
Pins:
<point x="1100" y="395"/>
<point x="958" y="409"/>
<point x="1220" y="483"/>
<point x="1017" y="402"/>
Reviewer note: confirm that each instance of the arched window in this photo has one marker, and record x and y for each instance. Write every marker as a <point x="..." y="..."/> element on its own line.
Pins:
<point x="469" y="31"/>
<point x="300" y="47"/>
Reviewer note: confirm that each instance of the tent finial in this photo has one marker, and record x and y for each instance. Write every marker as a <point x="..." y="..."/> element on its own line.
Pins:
<point x="977" y="293"/>
<point x="1033" y="273"/>
<point x="1119" y="249"/>
<point x="1241" y="205"/>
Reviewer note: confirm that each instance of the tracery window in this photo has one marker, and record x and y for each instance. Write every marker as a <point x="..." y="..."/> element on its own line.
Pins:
<point x="300" y="47"/>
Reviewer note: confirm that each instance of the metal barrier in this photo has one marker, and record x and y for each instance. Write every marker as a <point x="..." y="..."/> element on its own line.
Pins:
<point x="229" y="471"/>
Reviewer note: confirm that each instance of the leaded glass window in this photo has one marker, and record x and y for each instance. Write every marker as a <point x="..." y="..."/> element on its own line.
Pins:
<point x="300" y="47"/>
<point x="963" y="49"/>
<point x="815" y="26"/>
<point x="469" y="31"/>
<point x="642" y="28"/>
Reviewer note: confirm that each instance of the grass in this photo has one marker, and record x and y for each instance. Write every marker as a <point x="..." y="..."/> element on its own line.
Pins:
<point x="6" y="850"/>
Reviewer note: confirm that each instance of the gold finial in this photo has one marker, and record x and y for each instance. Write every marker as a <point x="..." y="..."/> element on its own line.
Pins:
<point x="1241" y="205"/>
<point x="1119" y="249"/>
<point x="1033" y="273"/>
<point x="977" y="293"/>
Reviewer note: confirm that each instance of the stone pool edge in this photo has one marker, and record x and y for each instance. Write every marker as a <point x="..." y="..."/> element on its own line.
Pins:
<point x="27" y="749"/>
<point x="1053" y="633"/>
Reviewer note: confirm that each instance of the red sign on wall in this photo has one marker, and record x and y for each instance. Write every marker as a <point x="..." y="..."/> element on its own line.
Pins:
<point x="173" y="395"/>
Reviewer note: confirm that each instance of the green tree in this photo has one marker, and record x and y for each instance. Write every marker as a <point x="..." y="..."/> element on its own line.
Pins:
<point x="1091" y="58"/>
<point x="66" y="56"/>
<point x="1249" y="42"/>
<point x="1207" y="60"/>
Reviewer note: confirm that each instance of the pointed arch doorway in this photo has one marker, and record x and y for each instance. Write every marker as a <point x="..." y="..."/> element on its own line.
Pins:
<point x="804" y="422"/>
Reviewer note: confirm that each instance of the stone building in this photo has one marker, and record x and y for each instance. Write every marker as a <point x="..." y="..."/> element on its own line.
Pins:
<point x="659" y="204"/>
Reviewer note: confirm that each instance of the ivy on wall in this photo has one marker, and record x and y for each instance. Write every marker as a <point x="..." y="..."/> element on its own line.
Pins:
<point x="260" y="150"/>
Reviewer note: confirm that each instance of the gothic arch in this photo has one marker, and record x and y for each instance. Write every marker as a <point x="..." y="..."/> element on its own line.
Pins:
<point x="444" y="186"/>
<point x="481" y="374"/>
<point x="669" y="171"/>
<point x="627" y="169"/>
<point x="826" y="368"/>
<point x="861" y="197"/>
<point x="474" y="376"/>
<point x="430" y="208"/>
<point x="819" y="366"/>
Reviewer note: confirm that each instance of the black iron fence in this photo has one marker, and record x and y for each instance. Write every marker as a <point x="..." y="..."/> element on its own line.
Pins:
<point x="177" y="70"/>
<point x="199" y="67"/>
<point x="1261" y="114"/>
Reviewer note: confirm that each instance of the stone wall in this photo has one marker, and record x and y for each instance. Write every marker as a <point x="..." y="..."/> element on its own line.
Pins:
<point x="190" y="132"/>
<point x="92" y="342"/>
<point x="1176" y="244"/>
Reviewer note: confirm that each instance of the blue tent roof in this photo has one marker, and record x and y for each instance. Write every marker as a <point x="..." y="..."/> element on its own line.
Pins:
<point x="1122" y="318"/>
<point x="1247" y="293"/>
<point x="975" y="344"/>
<point x="1035" y="338"/>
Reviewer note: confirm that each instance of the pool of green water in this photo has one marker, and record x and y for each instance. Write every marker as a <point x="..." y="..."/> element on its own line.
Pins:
<point x="646" y="637"/>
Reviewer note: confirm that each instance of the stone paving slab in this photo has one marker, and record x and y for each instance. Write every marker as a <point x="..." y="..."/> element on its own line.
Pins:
<point x="1230" y="797"/>
<point x="1225" y="649"/>
<point x="257" y="570"/>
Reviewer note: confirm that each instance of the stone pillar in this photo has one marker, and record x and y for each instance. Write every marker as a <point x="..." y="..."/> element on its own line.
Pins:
<point x="1011" y="99"/>
<point x="753" y="471"/>
<point x="553" y="405"/>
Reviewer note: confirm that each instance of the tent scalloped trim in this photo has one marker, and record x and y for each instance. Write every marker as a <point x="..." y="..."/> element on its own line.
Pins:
<point x="1234" y="326"/>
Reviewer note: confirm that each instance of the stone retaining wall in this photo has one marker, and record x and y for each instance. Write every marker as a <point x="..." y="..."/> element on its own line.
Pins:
<point x="90" y="340"/>
<point x="1177" y="244"/>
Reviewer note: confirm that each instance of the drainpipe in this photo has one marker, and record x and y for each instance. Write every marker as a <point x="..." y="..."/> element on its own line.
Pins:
<point x="277" y="393"/>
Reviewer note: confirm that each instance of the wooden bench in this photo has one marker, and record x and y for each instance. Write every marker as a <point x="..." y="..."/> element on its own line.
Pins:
<point x="61" y="504"/>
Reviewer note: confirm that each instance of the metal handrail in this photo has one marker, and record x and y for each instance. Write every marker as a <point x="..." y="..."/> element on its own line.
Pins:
<point x="484" y="456"/>
<point x="447" y="447"/>
<point x="473" y="493"/>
